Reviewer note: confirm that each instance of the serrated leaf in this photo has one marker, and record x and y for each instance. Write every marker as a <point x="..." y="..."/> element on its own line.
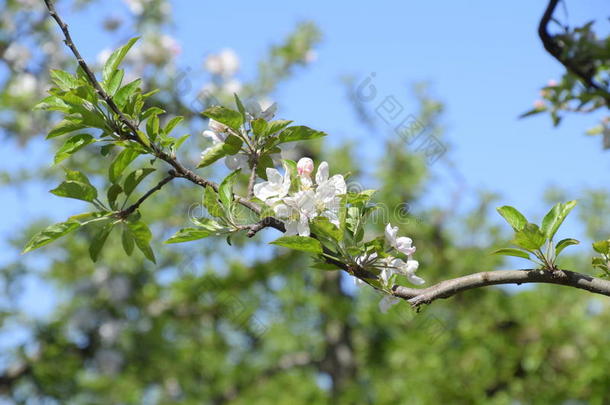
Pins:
<point x="120" y="163"/>
<point x="225" y="190"/>
<point x="511" y="252"/>
<point x="275" y="126"/>
<point x="142" y="236"/>
<point x="50" y="234"/>
<point x="115" y="81"/>
<point x="124" y="93"/>
<point x="530" y="237"/>
<point x="299" y="133"/>
<point x="564" y="243"/>
<point x="116" y="58"/>
<point x="514" y="218"/>
<point x="231" y="118"/>
<point x="76" y="190"/>
<point x="72" y="145"/>
<point x="259" y="127"/>
<point x="302" y="243"/>
<point x="555" y="217"/>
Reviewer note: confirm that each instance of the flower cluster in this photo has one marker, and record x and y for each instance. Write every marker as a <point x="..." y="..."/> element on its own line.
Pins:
<point x="296" y="206"/>
<point x="390" y="266"/>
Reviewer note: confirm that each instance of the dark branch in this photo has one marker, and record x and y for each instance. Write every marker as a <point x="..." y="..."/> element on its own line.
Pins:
<point x="130" y="210"/>
<point x="556" y="50"/>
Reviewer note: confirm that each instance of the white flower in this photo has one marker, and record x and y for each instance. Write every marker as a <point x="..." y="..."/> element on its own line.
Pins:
<point x="18" y="55"/>
<point x="337" y="181"/>
<point x="407" y="268"/>
<point x="24" y="84"/>
<point x="297" y="210"/>
<point x="402" y="243"/>
<point x="232" y="86"/>
<point x="387" y="302"/>
<point x="217" y="126"/>
<point x="225" y="63"/>
<point x="276" y="186"/>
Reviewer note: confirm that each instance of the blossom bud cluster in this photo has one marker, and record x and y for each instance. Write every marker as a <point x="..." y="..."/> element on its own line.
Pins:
<point x="310" y="199"/>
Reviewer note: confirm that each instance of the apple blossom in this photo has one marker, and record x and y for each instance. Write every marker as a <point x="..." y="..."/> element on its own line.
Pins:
<point x="402" y="243"/>
<point x="305" y="166"/>
<point x="276" y="186"/>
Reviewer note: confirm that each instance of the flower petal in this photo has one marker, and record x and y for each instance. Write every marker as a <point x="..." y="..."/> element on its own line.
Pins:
<point x="322" y="173"/>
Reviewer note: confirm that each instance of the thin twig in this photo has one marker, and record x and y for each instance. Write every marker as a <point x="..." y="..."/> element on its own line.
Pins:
<point x="252" y="177"/>
<point x="130" y="210"/>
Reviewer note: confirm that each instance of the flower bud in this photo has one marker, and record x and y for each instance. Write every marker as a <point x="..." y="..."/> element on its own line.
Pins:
<point x="217" y="126"/>
<point x="305" y="167"/>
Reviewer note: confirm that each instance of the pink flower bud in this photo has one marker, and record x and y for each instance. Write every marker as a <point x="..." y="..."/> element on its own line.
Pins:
<point x="305" y="167"/>
<point x="552" y="83"/>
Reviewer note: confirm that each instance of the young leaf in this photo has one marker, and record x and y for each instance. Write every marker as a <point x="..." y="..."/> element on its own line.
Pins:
<point x="50" y="234"/>
<point x="299" y="133"/>
<point x="323" y="227"/>
<point x="225" y="190"/>
<point x="555" y="217"/>
<point x="72" y="145"/>
<point x="65" y="127"/>
<point x="120" y="163"/>
<point x="112" y="194"/>
<point x="511" y="252"/>
<point x="114" y="83"/>
<point x="302" y="243"/>
<point x="564" y="243"/>
<point x="274" y="127"/>
<point x="64" y="80"/>
<point x="173" y="123"/>
<point x="513" y="217"/>
<point x="189" y="234"/>
<point x="142" y="236"/>
<point x="231" y="118"/>
<point x="121" y="96"/>
<point x="602" y="246"/>
<point x="116" y="58"/>
<point x="530" y="237"/>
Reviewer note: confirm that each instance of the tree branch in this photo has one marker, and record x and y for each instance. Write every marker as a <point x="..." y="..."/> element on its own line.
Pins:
<point x="556" y="51"/>
<point x="448" y="288"/>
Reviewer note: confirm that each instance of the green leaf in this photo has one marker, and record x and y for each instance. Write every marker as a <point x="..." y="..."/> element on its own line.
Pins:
<point x="99" y="240"/>
<point x="122" y="96"/>
<point x="302" y="243"/>
<point x="50" y="234"/>
<point x="73" y="145"/>
<point x="600" y="263"/>
<point x="127" y="240"/>
<point x="115" y="81"/>
<point x="77" y="190"/>
<point x="142" y="236"/>
<point x="276" y="126"/>
<point x="323" y="227"/>
<point x="65" y="127"/>
<point x="240" y="107"/>
<point x="231" y="118"/>
<point x="212" y="154"/>
<point x="64" y="80"/>
<point x="116" y="58"/>
<point x="134" y="178"/>
<point x="225" y="190"/>
<point x="555" y="217"/>
<point x="564" y="243"/>
<point x="189" y="234"/>
<point x="212" y="203"/>
<point x="264" y="162"/>
<point x="173" y="123"/>
<point x="530" y="237"/>
<point x="112" y="194"/>
<point x="512" y="252"/>
<point x="513" y="217"/>
<point x="259" y="127"/>
<point x="120" y="163"/>
<point x="299" y="133"/>
<point x="152" y="126"/>
<point x="232" y="144"/>
<point x="602" y="246"/>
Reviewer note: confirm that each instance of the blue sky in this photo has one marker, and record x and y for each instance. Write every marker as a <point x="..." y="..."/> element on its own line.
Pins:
<point x="483" y="59"/>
